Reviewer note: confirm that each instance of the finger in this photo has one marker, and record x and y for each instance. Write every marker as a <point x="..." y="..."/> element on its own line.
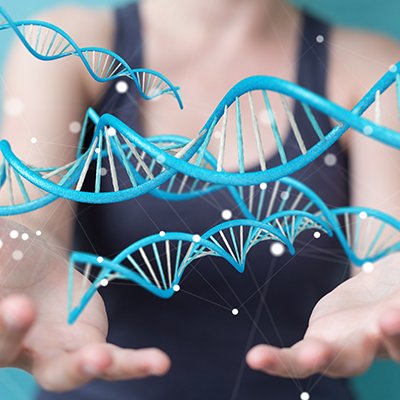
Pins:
<point x="68" y="371"/>
<point x="390" y="328"/>
<point x="17" y="315"/>
<point x="105" y="361"/>
<point x="354" y="356"/>
<point x="129" y="364"/>
<point x="310" y="356"/>
<point x="306" y="358"/>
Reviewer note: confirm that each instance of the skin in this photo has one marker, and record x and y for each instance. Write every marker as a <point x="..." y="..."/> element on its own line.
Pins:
<point x="348" y="329"/>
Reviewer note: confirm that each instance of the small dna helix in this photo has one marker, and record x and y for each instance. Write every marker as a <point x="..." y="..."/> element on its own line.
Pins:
<point x="48" y="42"/>
<point x="278" y="212"/>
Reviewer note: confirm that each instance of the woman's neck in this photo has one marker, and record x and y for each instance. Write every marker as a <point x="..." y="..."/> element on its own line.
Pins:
<point x="210" y="18"/>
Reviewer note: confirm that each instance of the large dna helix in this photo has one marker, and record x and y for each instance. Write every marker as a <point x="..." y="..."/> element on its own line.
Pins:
<point x="164" y="164"/>
<point x="278" y="212"/>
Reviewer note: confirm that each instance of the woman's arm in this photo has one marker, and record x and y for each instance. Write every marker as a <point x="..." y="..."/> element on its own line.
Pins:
<point x="360" y="319"/>
<point x="34" y="334"/>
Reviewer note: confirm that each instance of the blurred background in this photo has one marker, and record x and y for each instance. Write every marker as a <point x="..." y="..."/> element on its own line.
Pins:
<point x="382" y="381"/>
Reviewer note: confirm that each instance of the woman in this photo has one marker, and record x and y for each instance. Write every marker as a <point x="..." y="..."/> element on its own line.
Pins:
<point x="205" y="47"/>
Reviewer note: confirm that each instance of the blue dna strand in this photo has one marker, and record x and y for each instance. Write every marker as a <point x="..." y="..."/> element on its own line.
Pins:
<point x="48" y="42"/>
<point x="279" y="212"/>
<point x="175" y="167"/>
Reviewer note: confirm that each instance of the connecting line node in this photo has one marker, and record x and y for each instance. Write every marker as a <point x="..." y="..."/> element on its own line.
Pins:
<point x="226" y="215"/>
<point x="305" y="396"/>
<point x="317" y="235"/>
<point x="277" y="249"/>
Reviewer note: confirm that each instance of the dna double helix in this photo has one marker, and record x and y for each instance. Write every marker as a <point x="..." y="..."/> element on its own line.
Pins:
<point x="158" y="163"/>
<point x="48" y="42"/>
<point x="279" y="212"/>
<point x="119" y="164"/>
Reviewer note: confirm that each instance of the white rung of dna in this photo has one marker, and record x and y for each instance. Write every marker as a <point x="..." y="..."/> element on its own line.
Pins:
<point x="254" y="121"/>
<point x="263" y="200"/>
<point x="45" y="41"/>
<point x="368" y="234"/>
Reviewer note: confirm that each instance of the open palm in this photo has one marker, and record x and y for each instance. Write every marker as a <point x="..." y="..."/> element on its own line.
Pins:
<point x="358" y="321"/>
<point x="34" y="334"/>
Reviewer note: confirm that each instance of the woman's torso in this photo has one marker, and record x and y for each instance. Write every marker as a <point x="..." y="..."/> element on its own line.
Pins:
<point x="196" y="328"/>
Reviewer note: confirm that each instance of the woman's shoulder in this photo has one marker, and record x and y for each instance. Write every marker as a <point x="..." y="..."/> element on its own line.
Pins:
<point x="359" y="58"/>
<point x="87" y="26"/>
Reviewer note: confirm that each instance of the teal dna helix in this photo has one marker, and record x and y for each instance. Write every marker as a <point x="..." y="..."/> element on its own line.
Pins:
<point x="163" y="165"/>
<point x="279" y="212"/>
<point x="119" y="164"/>
<point x="158" y="163"/>
<point x="48" y="42"/>
<point x="150" y="163"/>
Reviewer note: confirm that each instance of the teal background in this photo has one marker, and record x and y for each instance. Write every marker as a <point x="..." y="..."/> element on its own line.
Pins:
<point x="382" y="381"/>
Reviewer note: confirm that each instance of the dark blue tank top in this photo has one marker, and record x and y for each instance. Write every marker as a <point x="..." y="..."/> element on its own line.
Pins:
<point x="196" y="328"/>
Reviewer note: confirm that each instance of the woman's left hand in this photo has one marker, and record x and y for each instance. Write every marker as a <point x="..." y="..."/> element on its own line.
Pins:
<point x="351" y="326"/>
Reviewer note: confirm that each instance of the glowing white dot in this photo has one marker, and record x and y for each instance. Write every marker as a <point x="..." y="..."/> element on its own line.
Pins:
<point x="111" y="131"/>
<point x="162" y="233"/>
<point x="14" y="234"/>
<point x="104" y="282"/>
<point x="368" y="130"/>
<point x="75" y="127"/>
<point x="160" y="158"/>
<point x="317" y="235"/>
<point x="264" y="119"/>
<point x="393" y="68"/>
<point x="263" y="186"/>
<point x="121" y="87"/>
<point x="277" y="249"/>
<point x="33" y="140"/>
<point x="13" y="107"/>
<point x="235" y="311"/>
<point x="226" y="214"/>
<point x="38" y="233"/>
<point x="320" y="39"/>
<point x="176" y="288"/>
<point x="217" y="135"/>
<point x="1" y="243"/>
<point x="330" y="159"/>
<point x="103" y="171"/>
<point x="97" y="151"/>
<point x="305" y="396"/>
<point x="24" y="236"/>
<point x="363" y="215"/>
<point x="100" y="259"/>
<point x="368" y="267"/>
<point x="284" y="195"/>
<point x="17" y="255"/>
<point x="196" y="238"/>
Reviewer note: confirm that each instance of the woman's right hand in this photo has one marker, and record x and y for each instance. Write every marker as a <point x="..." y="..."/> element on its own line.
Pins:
<point x="34" y="334"/>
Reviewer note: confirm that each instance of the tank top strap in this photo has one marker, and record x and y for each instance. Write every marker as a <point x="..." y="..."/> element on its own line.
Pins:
<point x="128" y="34"/>
<point x="128" y="45"/>
<point x="313" y="55"/>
